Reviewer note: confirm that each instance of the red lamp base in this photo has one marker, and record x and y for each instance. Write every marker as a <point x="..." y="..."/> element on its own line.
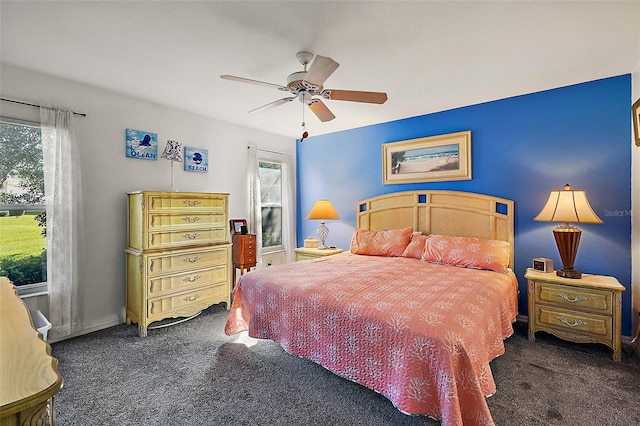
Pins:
<point x="568" y="273"/>
<point x="567" y="240"/>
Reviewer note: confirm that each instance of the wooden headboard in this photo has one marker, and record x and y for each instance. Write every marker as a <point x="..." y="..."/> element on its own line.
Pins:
<point x="463" y="214"/>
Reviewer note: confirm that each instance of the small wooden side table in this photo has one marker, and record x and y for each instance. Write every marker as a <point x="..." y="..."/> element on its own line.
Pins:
<point x="244" y="254"/>
<point x="303" y="253"/>
<point x="585" y="310"/>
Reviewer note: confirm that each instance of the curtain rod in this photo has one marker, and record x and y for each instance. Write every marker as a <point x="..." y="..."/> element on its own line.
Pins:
<point x="36" y="106"/>
<point x="268" y="150"/>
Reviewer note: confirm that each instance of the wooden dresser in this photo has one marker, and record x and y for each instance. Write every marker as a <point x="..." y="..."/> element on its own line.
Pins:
<point x="29" y="376"/>
<point x="579" y="310"/>
<point x="178" y="255"/>
<point x="244" y="253"/>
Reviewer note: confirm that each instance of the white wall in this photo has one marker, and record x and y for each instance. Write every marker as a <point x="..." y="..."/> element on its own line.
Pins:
<point x="107" y="174"/>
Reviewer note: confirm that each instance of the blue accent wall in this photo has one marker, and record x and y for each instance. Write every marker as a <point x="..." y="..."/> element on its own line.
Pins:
<point x="522" y="147"/>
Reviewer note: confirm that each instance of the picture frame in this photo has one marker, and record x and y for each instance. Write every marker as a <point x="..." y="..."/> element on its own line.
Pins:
<point x="141" y="145"/>
<point x="238" y="225"/>
<point x="196" y="159"/>
<point x="429" y="159"/>
<point x="635" y="113"/>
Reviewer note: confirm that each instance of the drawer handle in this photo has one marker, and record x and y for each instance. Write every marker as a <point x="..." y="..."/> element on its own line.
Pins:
<point x="566" y="297"/>
<point x="576" y="323"/>
<point x="191" y="236"/>
<point x="191" y="279"/>
<point x="191" y="203"/>
<point x="192" y="298"/>
<point x="191" y="259"/>
<point x="195" y="219"/>
<point x="153" y="308"/>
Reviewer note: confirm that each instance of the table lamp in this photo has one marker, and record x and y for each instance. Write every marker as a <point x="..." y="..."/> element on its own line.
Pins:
<point x="567" y="205"/>
<point x="323" y="210"/>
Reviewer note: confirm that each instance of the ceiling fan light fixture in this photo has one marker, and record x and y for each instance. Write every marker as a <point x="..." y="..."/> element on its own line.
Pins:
<point x="304" y="58"/>
<point x="305" y="97"/>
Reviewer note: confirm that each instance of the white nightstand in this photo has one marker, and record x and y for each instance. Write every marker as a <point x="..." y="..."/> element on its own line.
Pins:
<point x="303" y="253"/>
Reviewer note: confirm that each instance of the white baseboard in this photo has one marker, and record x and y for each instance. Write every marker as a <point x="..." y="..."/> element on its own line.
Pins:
<point x="111" y="322"/>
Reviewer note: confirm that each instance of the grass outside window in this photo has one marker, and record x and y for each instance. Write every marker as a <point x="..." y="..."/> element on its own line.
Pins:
<point x="22" y="257"/>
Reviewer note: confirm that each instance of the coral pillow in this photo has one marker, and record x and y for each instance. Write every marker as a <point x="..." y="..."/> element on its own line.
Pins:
<point x="416" y="246"/>
<point x="391" y="242"/>
<point x="468" y="252"/>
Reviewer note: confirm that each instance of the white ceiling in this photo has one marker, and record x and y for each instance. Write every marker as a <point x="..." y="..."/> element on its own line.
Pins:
<point x="428" y="56"/>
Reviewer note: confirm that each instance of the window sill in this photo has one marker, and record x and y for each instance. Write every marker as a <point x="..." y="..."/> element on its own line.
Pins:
<point x="271" y="250"/>
<point x="32" y="290"/>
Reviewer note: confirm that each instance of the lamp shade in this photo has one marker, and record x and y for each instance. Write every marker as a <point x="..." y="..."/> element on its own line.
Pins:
<point x="172" y="151"/>
<point x="568" y="205"/>
<point x="323" y="210"/>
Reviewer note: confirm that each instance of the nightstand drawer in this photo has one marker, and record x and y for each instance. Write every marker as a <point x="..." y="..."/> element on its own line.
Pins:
<point x="577" y="323"/>
<point x="300" y="257"/>
<point x="303" y="253"/>
<point x="582" y="299"/>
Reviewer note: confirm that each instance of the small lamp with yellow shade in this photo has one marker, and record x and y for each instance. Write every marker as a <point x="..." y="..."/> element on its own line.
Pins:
<point x="323" y="210"/>
<point x="567" y="205"/>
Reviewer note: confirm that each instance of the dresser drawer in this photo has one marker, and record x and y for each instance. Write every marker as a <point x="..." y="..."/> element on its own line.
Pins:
<point x="161" y="286"/>
<point x="583" y="299"/>
<point x="575" y="322"/>
<point x="197" y="219"/>
<point x="162" y="239"/>
<point x="181" y="260"/>
<point x="186" y="201"/>
<point x="186" y="303"/>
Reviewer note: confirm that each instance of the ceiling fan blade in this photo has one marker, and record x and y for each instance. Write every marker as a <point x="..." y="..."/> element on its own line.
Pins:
<point x="273" y="104"/>
<point x="248" y="80"/>
<point x="320" y="110"/>
<point x="355" y="96"/>
<point x="321" y="68"/>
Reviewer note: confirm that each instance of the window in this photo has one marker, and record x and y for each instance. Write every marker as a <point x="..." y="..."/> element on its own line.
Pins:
<point x="23" y="257"/>
<point x="271" y="204"/>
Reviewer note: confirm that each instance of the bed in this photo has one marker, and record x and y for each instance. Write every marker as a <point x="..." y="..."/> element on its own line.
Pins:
<point x="415" y="310"/>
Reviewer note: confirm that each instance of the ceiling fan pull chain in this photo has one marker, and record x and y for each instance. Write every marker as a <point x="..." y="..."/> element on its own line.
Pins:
<point x="305" y="134"/>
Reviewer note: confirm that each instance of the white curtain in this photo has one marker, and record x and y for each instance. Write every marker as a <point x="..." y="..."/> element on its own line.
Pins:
<point x="63" y="201"/>
<point x="255" y="213"/>
<point x="288" y="207"/>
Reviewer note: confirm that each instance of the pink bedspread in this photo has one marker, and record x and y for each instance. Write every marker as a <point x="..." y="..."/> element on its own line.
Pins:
<point x="420" y="334"/>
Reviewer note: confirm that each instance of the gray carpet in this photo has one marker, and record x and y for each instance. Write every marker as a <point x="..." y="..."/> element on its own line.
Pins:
<point x="193" y="374"/>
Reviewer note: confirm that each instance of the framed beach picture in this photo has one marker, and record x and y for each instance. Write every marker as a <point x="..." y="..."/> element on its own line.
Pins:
<point x="141" y="145"/>
<point x="196" y="159"/>
<point x="431" y="159"/>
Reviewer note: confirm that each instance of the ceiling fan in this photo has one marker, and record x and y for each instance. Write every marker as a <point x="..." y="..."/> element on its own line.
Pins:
<point x="305" y="85"/>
